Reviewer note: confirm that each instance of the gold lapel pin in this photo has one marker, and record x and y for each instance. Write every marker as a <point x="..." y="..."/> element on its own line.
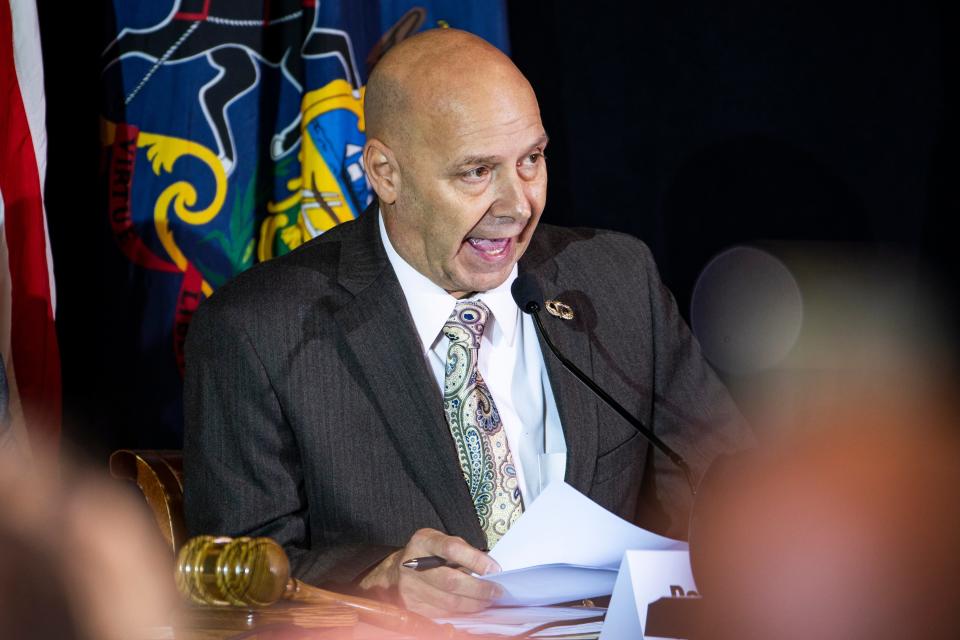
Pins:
<point x="559" y="309"/>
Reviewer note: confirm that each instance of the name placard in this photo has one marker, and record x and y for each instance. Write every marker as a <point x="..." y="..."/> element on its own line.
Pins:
<point x="644" y="577"/>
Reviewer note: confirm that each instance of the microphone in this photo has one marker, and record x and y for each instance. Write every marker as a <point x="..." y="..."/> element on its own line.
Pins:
<point x="528" y="296"/>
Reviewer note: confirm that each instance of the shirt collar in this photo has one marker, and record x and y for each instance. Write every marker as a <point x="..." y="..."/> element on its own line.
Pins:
<point x="431" y="306"/>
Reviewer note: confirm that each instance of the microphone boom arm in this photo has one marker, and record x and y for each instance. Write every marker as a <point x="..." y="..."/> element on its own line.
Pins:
<point x="533" y="309"/>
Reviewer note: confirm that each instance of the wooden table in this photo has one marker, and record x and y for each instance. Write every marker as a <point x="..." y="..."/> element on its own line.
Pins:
<point x="283" y="621"/>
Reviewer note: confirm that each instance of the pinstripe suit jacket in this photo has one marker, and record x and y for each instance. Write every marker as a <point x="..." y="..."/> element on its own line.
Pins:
<point x="312" y="417"/>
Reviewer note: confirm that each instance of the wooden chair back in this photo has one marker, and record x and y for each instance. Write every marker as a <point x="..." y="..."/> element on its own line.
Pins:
<point x="159" y="476"/>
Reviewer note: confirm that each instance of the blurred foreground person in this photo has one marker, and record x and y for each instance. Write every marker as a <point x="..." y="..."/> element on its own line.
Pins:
<point x="78" y="559"/>
<point x="848" y="530"/>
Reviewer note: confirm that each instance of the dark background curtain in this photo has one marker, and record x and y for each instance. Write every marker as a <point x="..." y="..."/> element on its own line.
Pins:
<point x="694" y="125"/>
<point x="698" y="125"/>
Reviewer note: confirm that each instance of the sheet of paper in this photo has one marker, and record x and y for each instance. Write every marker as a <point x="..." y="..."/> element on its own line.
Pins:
<point x="566" y="547"/>
<point x="552" y="583"/>
<point x="586" y="631"/>
<point x="563" y="526"/>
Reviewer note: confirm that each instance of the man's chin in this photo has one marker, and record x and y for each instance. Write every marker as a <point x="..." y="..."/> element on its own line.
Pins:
<point x="478" y="283"/>
<point x="481" y="273"/>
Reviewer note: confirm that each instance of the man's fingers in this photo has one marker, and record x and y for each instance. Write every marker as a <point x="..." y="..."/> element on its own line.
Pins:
<point x="457" y="550"/>
<point x="461" y="584"/>
<point x="432" y="599"/>
<point x="444" y="589"/>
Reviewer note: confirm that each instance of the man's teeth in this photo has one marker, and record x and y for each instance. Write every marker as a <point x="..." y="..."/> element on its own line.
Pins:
<point x="489" y="246"/>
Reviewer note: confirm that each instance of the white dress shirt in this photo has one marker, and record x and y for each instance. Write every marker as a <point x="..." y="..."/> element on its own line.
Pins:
<point x="511" y="364"/>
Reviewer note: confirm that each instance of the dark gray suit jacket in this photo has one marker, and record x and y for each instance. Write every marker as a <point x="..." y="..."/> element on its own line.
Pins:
<point x="312" y="416"/>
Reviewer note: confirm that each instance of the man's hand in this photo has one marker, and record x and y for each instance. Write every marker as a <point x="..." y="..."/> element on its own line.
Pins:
<point x="440" y="591"/>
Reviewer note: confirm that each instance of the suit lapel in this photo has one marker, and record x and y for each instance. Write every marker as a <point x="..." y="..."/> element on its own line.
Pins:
<point x="380" y="334"/>
<point x="576" y="404"/>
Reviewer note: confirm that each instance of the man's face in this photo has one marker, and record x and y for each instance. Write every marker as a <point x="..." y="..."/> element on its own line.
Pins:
<point x="473" y="183"/>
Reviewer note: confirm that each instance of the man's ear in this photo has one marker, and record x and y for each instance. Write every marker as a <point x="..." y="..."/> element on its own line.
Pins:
<point x="383" y="173"/>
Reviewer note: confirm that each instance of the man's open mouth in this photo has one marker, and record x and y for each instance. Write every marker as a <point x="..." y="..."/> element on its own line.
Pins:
<point x="489" y="246"/>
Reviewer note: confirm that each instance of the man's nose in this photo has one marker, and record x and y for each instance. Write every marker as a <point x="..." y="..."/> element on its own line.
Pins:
<point x="513" y="199"/>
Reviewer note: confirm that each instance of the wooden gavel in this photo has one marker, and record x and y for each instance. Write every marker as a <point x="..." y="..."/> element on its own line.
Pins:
<point x="255" y="572"/>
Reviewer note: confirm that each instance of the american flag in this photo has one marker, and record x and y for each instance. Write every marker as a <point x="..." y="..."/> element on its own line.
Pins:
<point x="28" y="341"/>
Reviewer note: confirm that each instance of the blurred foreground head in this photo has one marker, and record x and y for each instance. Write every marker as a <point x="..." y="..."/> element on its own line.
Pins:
<point x="78" y="558"/>
<point x="849" y="530"/>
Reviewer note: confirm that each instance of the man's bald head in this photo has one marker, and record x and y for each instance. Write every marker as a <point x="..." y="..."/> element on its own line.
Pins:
<point x="430" y="75"/>
<point x="454" y="153"/>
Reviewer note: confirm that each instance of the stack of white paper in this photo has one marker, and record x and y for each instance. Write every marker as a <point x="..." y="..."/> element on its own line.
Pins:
<point x="566" y="547"/>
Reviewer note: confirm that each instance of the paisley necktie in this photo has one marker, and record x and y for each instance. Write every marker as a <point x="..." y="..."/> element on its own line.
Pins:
<point x="475" y="425"/>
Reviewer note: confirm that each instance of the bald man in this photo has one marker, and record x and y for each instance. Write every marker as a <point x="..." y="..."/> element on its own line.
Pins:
<point x="376" y="395"/>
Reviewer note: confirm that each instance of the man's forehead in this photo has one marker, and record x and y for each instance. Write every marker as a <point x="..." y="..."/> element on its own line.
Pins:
<point x="482" y="123"/>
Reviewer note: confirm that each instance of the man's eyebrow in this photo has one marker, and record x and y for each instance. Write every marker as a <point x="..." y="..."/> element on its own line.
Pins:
<point x="494" y="159"/>
<point x="472" y="160"/>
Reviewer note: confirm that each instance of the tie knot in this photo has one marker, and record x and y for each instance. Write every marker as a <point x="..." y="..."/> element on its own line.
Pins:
<point x="467" y="322"/>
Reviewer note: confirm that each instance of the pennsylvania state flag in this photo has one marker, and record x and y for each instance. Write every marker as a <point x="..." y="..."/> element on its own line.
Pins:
<point x="231" y="133"/>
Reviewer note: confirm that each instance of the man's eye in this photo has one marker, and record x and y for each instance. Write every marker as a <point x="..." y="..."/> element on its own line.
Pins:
<point x="477" y="173"/>
<point x="535" y="157"/>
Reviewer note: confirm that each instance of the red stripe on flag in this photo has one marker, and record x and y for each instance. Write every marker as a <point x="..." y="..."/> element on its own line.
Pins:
<point x="36" y="358"/>
<point x="187" y="303"/>
<point x="123" y="159"/>
<point x="193" y="16"/>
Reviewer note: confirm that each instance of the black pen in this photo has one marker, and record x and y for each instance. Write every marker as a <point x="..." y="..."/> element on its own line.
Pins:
<point x="428" y="562"/>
